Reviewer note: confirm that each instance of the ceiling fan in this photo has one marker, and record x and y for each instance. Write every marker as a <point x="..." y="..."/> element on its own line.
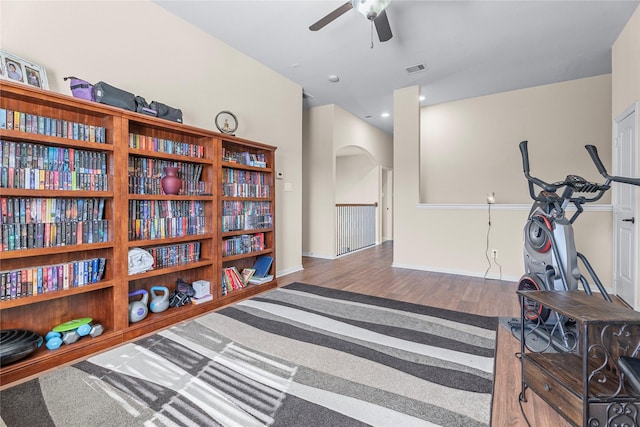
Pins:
<point x="373" y="10"/>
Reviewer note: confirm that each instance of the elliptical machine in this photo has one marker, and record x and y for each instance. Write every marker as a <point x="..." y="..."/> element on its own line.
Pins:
<point x="550" y="255"/>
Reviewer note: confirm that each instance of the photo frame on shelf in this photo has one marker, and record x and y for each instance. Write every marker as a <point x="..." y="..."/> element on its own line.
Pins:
<point x="19" y="70"/>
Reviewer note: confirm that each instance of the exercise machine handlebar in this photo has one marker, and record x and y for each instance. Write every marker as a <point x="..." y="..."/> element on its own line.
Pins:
<point x="593" y="152"/>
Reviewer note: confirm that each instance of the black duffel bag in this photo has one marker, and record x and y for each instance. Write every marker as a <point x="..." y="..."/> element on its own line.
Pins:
<point x="166" y="112"/>
<point x="106" y="94"/>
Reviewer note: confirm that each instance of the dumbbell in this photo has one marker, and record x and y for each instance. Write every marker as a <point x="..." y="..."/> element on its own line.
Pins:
<point x="91" y="329"/>
<point x="54" y="340"/>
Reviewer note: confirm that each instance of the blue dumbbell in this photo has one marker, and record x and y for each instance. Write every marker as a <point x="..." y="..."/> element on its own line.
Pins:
<point x="54" y="340"/>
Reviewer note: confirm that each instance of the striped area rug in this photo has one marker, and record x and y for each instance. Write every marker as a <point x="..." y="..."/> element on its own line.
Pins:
<point x="300" y="355"/>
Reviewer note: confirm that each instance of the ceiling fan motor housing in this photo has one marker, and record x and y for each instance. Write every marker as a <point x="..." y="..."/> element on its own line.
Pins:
<point x="370" y="8"/>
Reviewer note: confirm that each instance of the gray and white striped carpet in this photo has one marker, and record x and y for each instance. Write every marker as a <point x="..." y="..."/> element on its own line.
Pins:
<point x="300" y="355"/>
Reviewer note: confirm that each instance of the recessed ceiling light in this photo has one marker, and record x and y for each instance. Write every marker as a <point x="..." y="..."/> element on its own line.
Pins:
<point x="385" y="114"/>
<point x="422" y="98"/>
<point x="333" y="78"/>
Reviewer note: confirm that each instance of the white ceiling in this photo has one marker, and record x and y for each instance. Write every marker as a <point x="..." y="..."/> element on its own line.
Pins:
<point x="470" y="48"/>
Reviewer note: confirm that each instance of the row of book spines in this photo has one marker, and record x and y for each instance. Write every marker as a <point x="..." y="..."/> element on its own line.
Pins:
<point x="32" y="123"/>
<point x="246" y="190"/>
<point x="231" y="280"/>
<point x="145" y="142"/>
<point x="243" y="244"/>
<point x="246" y="222"/>
<point x="244" y="158"/>
<point x="148" y="209"/>
<point x="239" y="207"/>
<point x="38" y="280"/>
<point x="15" y="237"/>
<point x="172" y="255"/>
<point x="38" y="179"/>
<point x="163" y="228"/>
<point x="154" y="168"/>
<point x="26" y="210"/>
<point x="243" y="177"/>
<point x="38" y="156"/>
<point x="142" y="185"/>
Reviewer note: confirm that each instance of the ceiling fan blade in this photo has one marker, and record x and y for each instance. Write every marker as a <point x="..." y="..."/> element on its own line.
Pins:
<point x="331" y="16"/>
<point x="382" y="26"/>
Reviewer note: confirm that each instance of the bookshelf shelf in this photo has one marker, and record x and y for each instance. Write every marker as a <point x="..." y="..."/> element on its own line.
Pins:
<point x="55" y="294"/>
<point x="247" y="255"/>
<point x="172" y="240"/>
<point x="54" y="141"/>
<point x="107" y="145"/>
<point x="77" y="194"/>
<point x="29" y="253"/>
<point x="247" y="231"/>
<point x="177" y="268"/>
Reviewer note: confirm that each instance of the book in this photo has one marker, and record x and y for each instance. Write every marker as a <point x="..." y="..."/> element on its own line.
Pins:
<point x="202" y="299"/>
<point x="262" y="266"/>
<point x="260" y="280"/>
<point x="247" y="273"/>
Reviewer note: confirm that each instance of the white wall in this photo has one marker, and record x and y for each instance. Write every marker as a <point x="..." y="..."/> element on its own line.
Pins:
<point x="140" y="47"/>
<point x="625" y="60"/>
<point x="449" y="234"/>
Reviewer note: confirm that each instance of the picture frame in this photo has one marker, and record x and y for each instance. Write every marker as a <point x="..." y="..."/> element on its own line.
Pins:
<point x="16" y="69"/>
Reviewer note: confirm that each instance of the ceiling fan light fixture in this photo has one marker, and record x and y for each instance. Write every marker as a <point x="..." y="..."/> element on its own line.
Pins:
<point x="370" y="8"/>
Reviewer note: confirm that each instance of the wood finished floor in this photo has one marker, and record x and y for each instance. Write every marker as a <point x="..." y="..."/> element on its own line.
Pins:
<point x="370" y="272"/>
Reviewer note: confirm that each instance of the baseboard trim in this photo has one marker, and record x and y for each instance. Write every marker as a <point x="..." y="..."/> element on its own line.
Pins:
<point x="290" y="270"/>
<point x="489" y="276"/>
<point x="321" y="256"/>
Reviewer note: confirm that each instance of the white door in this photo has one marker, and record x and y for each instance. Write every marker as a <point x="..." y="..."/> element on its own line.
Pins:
<point x="625" y="208"/>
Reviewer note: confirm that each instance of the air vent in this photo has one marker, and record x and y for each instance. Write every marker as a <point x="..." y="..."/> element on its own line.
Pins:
<point x="415" y="68"/>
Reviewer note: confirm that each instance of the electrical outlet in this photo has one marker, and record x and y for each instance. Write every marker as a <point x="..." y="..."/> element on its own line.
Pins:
<point x="494" y="253"/>
<point x="491" y="197"/>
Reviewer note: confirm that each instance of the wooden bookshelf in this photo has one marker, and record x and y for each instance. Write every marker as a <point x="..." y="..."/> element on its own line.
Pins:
<point x="247" y="203"/>
<point x="121" y="154"/>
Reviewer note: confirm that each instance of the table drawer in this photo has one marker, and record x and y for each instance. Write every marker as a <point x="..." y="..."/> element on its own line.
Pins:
<point x="553" y="392"/>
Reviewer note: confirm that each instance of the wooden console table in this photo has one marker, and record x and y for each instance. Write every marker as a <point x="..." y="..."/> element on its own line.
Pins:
<point x="575" y="368"/>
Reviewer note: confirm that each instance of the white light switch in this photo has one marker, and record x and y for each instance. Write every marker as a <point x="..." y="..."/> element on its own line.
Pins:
<point x="288" y="186"/>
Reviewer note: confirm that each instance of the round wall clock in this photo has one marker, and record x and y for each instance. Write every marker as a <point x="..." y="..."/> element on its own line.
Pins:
<point x="226" y="122"/>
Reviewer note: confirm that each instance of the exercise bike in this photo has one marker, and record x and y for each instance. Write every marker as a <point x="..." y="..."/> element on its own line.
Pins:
<point x="550" y="255"/>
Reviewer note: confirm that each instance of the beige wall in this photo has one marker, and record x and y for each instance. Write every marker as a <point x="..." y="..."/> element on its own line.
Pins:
<point x="478" y="140"/>
<point x="625" y="60"/>
<point x="318" y="166"/>
<point x="357" y="179"/>
<point x="472" y="145"/>
<point x="140" y="47"/>
<point x="327" y="130"/>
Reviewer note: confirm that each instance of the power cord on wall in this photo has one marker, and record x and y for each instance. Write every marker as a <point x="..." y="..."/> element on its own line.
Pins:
<point x="490" y="200"/>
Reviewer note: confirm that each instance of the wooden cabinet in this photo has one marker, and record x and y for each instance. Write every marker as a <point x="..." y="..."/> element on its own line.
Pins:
<point x="79" y="188"/>
<point x="574" y="368"/>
